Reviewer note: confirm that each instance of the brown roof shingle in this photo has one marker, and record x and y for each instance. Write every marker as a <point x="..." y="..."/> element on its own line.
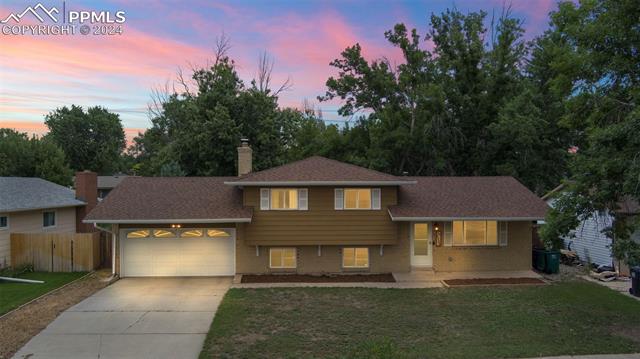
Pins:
<point x="318" y="170"/>
<point x="467" y="197"/>
<point x="171" y="198"/>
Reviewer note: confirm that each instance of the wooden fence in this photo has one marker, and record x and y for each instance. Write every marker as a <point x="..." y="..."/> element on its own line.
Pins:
<point x="56" y="252"/>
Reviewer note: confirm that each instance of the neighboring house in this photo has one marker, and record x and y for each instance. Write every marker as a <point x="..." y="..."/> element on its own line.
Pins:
<point x="588" y="239"/>
<point x="33" y="205"/>
<point x="317" y="216"/>
<point x="108" y="183"/>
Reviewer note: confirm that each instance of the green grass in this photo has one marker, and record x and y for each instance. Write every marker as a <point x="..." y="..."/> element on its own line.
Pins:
<point x="479" y="322"/>
<point x="12" y="295"/>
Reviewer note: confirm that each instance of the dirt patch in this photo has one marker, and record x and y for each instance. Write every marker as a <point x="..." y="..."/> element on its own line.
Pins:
<point x="491" y="281"/>
<point x="629" y="332"/>
<point x="22" y="324"/>
<point x="301" y="278"/>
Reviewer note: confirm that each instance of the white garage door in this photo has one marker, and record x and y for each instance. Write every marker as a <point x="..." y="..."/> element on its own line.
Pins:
<point x="175" y="256"/>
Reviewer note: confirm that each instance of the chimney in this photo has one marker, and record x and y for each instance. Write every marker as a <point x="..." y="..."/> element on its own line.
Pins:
<point x="245" y="154"/>
<point x="86" y="191"/>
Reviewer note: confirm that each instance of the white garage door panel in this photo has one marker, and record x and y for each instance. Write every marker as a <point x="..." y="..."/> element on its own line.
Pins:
<point x="170" y="257"/>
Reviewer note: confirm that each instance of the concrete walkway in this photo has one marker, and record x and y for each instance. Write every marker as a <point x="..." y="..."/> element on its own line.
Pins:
<point x="617" y="285"/>
<point x="595" y="356"/>
<point x="134" y="318"/>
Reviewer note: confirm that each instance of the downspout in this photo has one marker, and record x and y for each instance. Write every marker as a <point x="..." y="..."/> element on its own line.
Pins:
<point x="113" y="247"/>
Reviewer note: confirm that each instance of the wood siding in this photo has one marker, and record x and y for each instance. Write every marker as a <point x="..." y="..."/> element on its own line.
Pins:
<point x="31" y="222"/>
<point x="321" y="223"/>
<point x="394" y="258"/>
<point x="56" y="252"/>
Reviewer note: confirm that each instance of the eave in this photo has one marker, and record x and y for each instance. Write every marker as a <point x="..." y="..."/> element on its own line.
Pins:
<point x="319" y="183"/>
<point x="168" y="221"/>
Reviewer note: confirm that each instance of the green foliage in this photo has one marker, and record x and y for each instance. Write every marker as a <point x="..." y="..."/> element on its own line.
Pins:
<point x="595" y="55"/>
<point x="21" y="156"/>
<point x="91" y="140"/>
<point x="199" y="132"/>
<point x="467" y="107"/>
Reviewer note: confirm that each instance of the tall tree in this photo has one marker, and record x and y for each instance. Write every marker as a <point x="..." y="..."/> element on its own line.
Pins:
<point x="198" y="130"/>
<point x="451" y="110"/>
<point x="92" y="140"/>
<point x="21" y="156"/>
<point x="603" y="44"/>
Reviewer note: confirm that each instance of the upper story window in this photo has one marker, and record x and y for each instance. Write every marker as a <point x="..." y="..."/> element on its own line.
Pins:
<point x="4" y="222"/>
<point x="283" y="199"/>
<point x="49" y="219"/>
<point x="357" y="198"/>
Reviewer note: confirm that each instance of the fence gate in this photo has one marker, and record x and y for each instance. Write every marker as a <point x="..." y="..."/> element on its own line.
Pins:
<point x="56" y="252"/>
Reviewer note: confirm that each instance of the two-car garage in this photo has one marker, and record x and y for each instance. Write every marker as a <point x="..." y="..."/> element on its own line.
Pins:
<point x="175" y="252"/>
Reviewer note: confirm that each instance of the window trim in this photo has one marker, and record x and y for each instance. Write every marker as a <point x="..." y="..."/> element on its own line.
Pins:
<point x="344" y="199"/>
<point x="354" y="258"/>
<point x="282" y="266"/>
<point x="8" y="224"/>
<point x="464" y="236"/>
<point x="55" y="219"/>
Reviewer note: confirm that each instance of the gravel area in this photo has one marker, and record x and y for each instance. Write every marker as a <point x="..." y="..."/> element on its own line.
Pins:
<point x="300" y="278"/>
<point x="491" y="281"/>
<point x="567" y="273"/>
<point x="22" y="324"/>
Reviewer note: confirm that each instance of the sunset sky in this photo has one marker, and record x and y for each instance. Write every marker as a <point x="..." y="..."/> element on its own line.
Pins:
<point x="41" y="73"/>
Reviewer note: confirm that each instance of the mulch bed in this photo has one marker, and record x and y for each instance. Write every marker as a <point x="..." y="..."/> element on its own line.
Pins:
<point x="22" y="324"/>
<point x="301" y="278"/>
<point x="491" y="281"/>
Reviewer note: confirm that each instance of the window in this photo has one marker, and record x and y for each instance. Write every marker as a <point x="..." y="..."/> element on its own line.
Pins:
<point x="355" y="257"/>
<point x="357" y="198"/>
<point x="475" y="233"/>
<point x="4" y="222"/>
<point x="48" y="219"/>
<point x="164" y="233"/>
<point x="282" y="257"/>
<point x="217" y="233"/>
<point x="192" y="233"/>
<point x="144" y="233"/>
<point x="284" y="198"/>
<point x="420" y="239"/>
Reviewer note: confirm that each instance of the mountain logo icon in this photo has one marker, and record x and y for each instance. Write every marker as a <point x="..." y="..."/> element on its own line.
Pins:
<point x="34" y="10"/>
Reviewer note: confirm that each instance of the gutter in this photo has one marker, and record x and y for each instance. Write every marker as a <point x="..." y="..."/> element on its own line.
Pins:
<point x="426" y="219"/>
<point x="166" y="221"/>
<point x="319" y="183"/>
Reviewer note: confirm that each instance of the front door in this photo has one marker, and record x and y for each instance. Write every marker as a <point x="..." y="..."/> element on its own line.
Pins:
<point x="421" y="249"/>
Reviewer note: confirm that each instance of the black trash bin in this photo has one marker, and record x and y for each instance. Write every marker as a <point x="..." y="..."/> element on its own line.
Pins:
<point x="635" y="281"/>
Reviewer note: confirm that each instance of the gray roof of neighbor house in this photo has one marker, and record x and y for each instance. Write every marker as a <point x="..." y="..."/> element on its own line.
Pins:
<point x="318" y="171"/>
<point x="107" y="182"/>
<point x="171" y="200"/>
<point x="29" y="193"/>
<point x="444" y="198"/>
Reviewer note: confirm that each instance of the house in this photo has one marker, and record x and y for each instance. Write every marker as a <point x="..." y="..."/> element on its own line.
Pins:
<point x="317" y="216"/>
<point x="33" y="205"/>
<point x="588" y="240"/>
<point x="108" y="183"/>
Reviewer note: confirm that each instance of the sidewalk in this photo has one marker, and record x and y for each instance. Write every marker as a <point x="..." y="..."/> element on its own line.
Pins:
<point x="595" y="356"/>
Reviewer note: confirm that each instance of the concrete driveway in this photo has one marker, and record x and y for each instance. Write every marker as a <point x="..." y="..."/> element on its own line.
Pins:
<point x="134" y="318"/>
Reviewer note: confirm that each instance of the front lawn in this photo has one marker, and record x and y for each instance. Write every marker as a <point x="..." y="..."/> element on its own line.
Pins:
<point x="479" y="322"/>
<point x="12" y="295"/>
